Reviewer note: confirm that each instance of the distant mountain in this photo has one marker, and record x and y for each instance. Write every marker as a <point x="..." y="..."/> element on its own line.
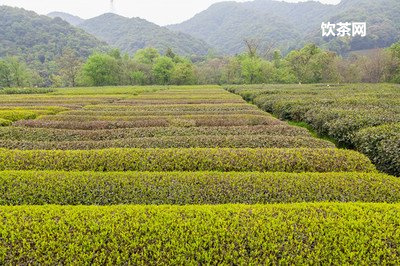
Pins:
<point x="132" y="34"/>
<point x="225" y="25"/>
<point x="39" y="39"/>
<point x="71" y="19"/>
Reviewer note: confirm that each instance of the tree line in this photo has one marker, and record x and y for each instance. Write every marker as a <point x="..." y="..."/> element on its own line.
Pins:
<point x="310" y="64"/>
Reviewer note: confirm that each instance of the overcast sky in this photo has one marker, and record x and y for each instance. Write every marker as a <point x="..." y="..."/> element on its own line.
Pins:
<point x="161" y="12"/>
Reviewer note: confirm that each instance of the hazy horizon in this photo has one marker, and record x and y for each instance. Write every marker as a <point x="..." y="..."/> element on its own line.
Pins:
<point x="157" y="11"/>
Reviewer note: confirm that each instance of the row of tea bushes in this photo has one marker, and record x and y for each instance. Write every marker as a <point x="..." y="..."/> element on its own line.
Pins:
<point x="135" y="122"/>
<point x="382" y="145"/>
<point x="323" y="233"/>
<point x="10" y="115"/>
<point x="135" y="102"/>
<point x="172" y="108"/>
<point x="261" y="118"/>
<point x="49" y="134"/>
<point x="199" y="141"/>
<point x="148" y="113"/>
<point x="193" y="159"/>
<point x="182" y="188"/>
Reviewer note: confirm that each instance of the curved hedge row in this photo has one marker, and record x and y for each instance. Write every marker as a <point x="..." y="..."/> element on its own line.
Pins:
<point x="50" y="134"/>
<point x="197" y="159"/>
<point x="323" y="234"/>
<point x="114" y="188"/>
<point x="200" y="141"/>
<point x="382" y="145"/>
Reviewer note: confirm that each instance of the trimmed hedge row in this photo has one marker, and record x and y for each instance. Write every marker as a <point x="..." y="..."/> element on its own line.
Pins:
<point x="138" y="113"/>
<point x="382" y="145"/>
<point x="195" y="159"/>
<point x="25" y="90"/>
<point x="200" y="121"/>
<point x="49" y="134"/>
<point x="114" y="188"/>
<point x="15" y="115"/>
<point x="324" y="233"/>
<point x="259" y="118"/>
<point x="200" y="141"/>
<point x="177" y="101"/>
<point x="175" y="107"/>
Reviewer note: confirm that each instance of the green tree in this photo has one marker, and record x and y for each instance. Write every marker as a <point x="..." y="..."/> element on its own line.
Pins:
<point x="394" y="68"/>
<point x="20" y="75"/>
<point x="162" y="70"/>
<point x="5" y="74"/>
<point x="183" y="74"/>
<point x="101" y="70"/>
<point x="146" y="56"/>
<point x="169" y="53"/>
<point x="251" y="70"/>
<point x="311" y="64"/>
<point x="138" y="78"/>
<point x="69" y="65"/>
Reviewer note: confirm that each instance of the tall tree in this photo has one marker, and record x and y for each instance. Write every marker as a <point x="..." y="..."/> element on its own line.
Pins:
<point x="20" y="75"/>
<point x="5" y="74"/>
<point x="162" y="69"/>
<point x="101" y="70"/>
<point x="69" y="65"/>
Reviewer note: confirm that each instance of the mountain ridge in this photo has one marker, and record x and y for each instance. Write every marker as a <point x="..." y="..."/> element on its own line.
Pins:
<point x="298" y="24"/>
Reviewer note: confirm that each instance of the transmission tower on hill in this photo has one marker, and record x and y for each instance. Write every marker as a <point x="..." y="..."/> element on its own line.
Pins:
<point x="112" y="7"/>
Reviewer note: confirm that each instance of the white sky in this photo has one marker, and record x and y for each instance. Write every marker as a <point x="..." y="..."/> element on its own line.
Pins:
<point x="161" y="12"/>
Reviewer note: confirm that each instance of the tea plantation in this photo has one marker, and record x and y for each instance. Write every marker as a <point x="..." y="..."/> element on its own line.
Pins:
<point x="194" y="175"/>
<point x="361" y="116"/>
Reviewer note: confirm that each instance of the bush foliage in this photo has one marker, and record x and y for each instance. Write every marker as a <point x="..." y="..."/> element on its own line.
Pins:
<point x="193" y="159"/>
<point x="113" y="188"/>
<point x="324" y="233"/>
<point x="346" y="113"/>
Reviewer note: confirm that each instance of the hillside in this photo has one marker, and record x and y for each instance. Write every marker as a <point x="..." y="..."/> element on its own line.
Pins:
<point x="40" y="39"/>
<point x="131" y="34"/>
<point x="71" y="19"/>
<point x="290" y="25"/>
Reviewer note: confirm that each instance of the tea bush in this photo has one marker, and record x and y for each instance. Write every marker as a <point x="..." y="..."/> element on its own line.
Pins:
<point x="194" y="159"/>
<point x="323" y="233"/>
<point x="114" y="188"/>
<point x="199" y="141"/>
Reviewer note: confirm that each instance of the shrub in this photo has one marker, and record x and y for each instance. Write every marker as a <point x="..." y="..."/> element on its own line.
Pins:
<point x="4" y="122"/>
<point x="324" y="233"/>
<point x="49" y="134"/>
<point x="381" y="145"/>
<point x="196" y="159"/>
<point x="26" y="90"/>
<point x="89" y="123"/>
<point x="200" y="141"/>
<point x="15" y="115"/>
<point x="114" y="188"/>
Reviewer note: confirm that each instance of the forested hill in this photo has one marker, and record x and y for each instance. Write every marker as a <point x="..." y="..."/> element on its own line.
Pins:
<point x="40" y="39"/>
<point x="290" y="25"/>
<point x="71" y="19"/>
<point x="132" y="34"/>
